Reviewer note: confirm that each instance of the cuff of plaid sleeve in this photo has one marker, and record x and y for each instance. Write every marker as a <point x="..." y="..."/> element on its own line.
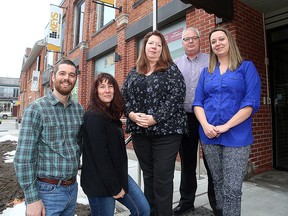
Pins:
<point x="31" y="196"/>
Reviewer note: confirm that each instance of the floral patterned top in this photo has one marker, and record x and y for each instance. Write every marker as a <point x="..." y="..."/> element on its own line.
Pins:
<point x="161" y="95"/>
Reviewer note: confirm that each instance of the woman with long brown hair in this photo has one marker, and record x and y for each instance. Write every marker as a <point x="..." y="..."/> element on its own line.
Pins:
<point x="227" y="96"/>
<point x="104" y="176"/>
<point x="154" y="93"/>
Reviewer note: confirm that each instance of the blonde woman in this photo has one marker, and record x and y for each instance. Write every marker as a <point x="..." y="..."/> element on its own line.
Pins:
<point x="227" y="96"/>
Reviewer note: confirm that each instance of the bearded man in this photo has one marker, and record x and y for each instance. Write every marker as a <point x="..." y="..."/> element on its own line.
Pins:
<point x="48" y="152"/>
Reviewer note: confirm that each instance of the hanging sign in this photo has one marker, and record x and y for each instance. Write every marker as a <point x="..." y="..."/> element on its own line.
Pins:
<point x="54" y="29"/>
<point x="108" y="1"/>
<point x="35" y="80"/>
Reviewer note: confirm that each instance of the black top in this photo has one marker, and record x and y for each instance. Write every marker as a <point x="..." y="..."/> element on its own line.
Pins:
<point x="105" y="164"/>
<point x="161" y="95"/>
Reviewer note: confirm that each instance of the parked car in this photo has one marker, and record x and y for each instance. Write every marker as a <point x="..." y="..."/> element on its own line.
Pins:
<point x="5" y="115"/>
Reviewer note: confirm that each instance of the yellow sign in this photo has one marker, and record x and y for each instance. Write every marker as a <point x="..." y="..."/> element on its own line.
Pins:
<point x="108" y="1"/>
<point x="54" y="29"/>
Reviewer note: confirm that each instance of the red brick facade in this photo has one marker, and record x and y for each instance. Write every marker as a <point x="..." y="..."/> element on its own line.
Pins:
<point x="246" y="27"/>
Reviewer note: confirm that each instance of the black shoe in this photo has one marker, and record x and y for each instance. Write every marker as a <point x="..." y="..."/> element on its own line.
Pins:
<point x="178" y="210"/>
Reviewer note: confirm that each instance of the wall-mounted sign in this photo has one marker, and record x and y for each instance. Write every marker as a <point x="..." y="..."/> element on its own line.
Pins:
<point x="54" y="29"/>
<point x="35" y="80"/>
<point x="174" y="35"/>
<point x="108" y="1"/>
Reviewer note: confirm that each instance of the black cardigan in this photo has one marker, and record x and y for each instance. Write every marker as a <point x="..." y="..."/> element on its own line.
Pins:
<point x="105" y="164"/>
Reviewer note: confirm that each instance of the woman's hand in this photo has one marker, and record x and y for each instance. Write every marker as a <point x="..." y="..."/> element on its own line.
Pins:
<point x="211" y="131"/>
<point x="120" y="195"/>
<point x="222" y="128"/>
<point x="150" y="120"/>
<point x="142" y="120"/>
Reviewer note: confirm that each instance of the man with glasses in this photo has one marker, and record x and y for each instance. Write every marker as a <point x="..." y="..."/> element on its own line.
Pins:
<point x="191" y="64"/>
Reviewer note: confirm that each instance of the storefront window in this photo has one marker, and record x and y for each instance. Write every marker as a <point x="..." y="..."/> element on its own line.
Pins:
<point x="105" y="64"/>
<point x="173" y="36"/>
<point x="74" y="93"/>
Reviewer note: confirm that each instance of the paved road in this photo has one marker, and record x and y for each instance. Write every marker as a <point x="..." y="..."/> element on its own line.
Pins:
<point x="9" y="124"/>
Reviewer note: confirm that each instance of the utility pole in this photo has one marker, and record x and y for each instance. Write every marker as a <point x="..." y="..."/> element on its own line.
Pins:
<point x="155" y="14"/>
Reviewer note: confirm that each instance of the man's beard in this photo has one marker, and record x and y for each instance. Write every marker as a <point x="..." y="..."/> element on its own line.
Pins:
<point x="63" y="91"/>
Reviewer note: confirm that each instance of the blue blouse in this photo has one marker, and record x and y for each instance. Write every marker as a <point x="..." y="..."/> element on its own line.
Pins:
<point x="222" y="96"/>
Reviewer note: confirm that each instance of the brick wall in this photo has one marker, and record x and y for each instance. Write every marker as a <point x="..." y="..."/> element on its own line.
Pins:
<point x="250" y="38"/>
<point x="246" y="27"/>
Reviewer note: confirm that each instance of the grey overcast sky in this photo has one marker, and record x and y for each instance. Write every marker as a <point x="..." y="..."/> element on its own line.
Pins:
<point x="22" y="25"/>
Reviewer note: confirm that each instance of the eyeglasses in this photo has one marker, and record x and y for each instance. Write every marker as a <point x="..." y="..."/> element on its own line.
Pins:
<point x="190" y="38"/>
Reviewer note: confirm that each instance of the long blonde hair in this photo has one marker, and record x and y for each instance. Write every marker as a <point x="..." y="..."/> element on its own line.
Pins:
<point x="234" y="56"/>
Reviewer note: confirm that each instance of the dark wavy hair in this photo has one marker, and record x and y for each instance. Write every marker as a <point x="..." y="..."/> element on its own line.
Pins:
<point x="165" y="59"/>
<point x="65" y="61"/>
<point x="116" y="108"/>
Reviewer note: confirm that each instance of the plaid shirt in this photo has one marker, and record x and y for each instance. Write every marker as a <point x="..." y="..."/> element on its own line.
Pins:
<point x="48" y="144"/>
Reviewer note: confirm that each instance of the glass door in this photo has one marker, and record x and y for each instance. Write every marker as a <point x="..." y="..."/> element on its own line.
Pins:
<point x="279" y="77"/>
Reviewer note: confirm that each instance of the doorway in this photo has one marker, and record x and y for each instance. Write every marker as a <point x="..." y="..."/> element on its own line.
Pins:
<point x="278" y="59"/>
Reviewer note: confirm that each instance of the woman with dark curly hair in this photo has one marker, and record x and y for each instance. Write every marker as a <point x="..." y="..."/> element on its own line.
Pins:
<point x="104" y="176"/>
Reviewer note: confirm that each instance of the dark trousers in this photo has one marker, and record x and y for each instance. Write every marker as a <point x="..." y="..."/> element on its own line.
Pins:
<point x="188" y="154"/>
<point x="156" y="156"/>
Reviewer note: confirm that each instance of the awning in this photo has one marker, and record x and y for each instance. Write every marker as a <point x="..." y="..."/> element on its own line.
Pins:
<point x="221" y="8"/>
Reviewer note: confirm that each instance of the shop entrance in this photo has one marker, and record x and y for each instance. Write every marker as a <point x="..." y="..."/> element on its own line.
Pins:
<point x="278" y="60"/>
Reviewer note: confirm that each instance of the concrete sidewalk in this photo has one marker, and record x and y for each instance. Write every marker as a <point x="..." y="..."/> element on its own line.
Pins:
<point x="265" y="194"/>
